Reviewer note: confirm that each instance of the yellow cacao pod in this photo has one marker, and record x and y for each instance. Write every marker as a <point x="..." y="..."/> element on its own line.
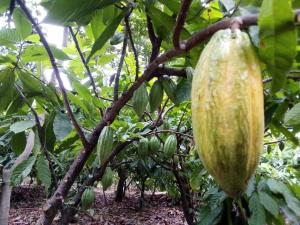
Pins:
<point x="227" y="109"/>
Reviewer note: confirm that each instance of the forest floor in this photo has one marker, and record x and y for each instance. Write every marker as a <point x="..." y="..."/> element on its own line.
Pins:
<point x="158" y="209"/>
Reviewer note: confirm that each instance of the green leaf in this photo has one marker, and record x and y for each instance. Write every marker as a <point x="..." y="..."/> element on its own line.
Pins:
<point x="156" y="96"/>
<point x="7" y="79"/>
<point x="31" y="85"/>
<point x="22" y="126"/>
<point x="23" y="26"/>
<point x="63" y="11"/>
<point x="279" y="187"/>
<point x="61" y="126"/>
<point x="43" y="171"/>
<point x="269" y="203"/>
<point x="258" y="215"/>
<point x="4" y="4"/>
<point x="209" y="216"/>
<point x="106" y="34"/>
<point x="18" y="142"/>
<point x="38" y="53"/>
<point x="276" y="28"/>
<point x="49" y="132"/>
<point x="22" y="171"/>
<point x="292" y="117"/>
<point x="9" y="37"/>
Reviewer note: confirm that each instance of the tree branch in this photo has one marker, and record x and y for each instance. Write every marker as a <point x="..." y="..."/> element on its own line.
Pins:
<point x="132" y="46"/>
<point x="83" y="61"/>
<point x="155" y="41"/>
<point x="56" y="72"/>
<point x="180" y="22"/>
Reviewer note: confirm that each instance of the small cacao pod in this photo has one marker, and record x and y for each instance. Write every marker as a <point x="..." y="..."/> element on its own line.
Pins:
<point x="140" y="100"/>
<point x="170" y="146"/>
<point x="156" y="95"/>
<point x="228" y="109"/>
<point x="154" y="144"/>
<point x="117" y="38"/>
<point x="107" y="178"/>
<point x="143" y="148"/>
<point x="169" y="87"/>
<point x="87" y="198"/>
<point x="105" y="144"/>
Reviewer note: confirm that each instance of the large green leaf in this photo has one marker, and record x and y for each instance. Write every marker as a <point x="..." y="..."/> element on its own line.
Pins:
<point x="18" y="142"/>
<point x="22" y="171"/>
<point x="276" y="29"/>
<point x="23" y="26"/>
<point x="258" y="215"/>
<point x="292" y="117"/>
<point x="269" y="203"/>
<point x="7" y="79"/>
<point x="31" y="85"/>
<point x="4" y="5"/>
<point x="209" y="216"/>
<point x="38" y="53"/>
<point x="21" y="126"/>
<point x="63" y="11"/>
<point x="43" y="171"/>
<point x="61" y="126"/>
<point x="9" y="37"/>
<point x="49" y="132"/>
<point x="106" y="34"/>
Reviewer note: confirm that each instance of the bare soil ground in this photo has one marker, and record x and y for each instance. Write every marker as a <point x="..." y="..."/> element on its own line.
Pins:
<point x="158" y="210"/>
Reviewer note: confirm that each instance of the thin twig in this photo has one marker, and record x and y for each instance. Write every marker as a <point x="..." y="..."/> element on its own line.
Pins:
<point x="132" y="46"/>
<point x="180" y="22"/>
<point x="56" y="71"/>
<point x="117" y="77"/>
<point x="83" y="61"/>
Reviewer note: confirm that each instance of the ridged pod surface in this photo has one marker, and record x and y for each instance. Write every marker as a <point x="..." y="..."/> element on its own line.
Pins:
<point x="107" y="178"/>
<point x="105" y="144"/>
<point x="227" y="109"/>
<point x="154" y="144"/>
<point x="143" y="148"/>
<point x="88" y="198"/>
<point x="170" y="146"/>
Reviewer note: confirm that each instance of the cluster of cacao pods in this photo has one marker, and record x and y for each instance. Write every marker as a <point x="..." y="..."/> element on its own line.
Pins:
<point x="227" y="109"/>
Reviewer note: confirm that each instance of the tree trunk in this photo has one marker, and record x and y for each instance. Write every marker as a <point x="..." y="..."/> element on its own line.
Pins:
<point x="122" y="172"/>
<point x="6" y="188"/>
<point x="185" y="197"/>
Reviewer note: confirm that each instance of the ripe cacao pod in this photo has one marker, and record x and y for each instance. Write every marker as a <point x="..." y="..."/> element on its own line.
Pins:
<point x="105" y="144"/>
<point x="156" y="95"/>
<point x="170" y="146"/>
<point x="227" y="109"/>
<point x="107" y="178"/>
<point x="88" y="198"/>
<point x="154" y="144"/>
<point x="140" y="100"/>
<point x="143" y="148"/>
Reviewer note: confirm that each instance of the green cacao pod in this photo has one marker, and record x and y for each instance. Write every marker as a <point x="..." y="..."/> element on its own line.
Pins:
<point x="88" y="198"/>
<point x="156" y="95"/>
<point x="169" y="87"/>
<point x="143" y="148"/>
<point x="117" y="38"/>
<point x="170" y="146"/>
<point x="140" y="100"/>
<point x="154" y="144"/>
<point x="107" y="178"/>
<point x="105" y="144"/>
<point x="227" y="109"/>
